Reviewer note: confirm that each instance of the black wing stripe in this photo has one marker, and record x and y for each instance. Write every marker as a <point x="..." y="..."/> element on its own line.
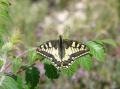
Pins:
<point x="80" y="53"/>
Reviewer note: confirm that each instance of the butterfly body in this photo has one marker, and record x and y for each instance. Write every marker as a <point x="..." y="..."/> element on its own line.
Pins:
<point x="62" y="53"/>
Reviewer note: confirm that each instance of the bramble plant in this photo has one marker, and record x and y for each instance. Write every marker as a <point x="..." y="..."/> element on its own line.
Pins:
<point x="31" y="77"/>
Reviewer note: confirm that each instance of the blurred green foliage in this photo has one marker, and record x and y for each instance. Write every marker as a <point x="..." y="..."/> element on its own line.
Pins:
<point x="8" y="83"/>
<point x="4" y="16"/>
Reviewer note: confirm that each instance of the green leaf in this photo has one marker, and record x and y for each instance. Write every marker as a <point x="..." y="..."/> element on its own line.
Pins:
<point x="96" y="50"/>
<point x="86" y="62"/>
<point x="71" y="70"/>
<point x="110" y="42"/>
<point x="4" y="18"/>
<point x="46" y="60"/>
<point x="7" y="82"/>
<point x="107" y="41"/>
<point x="43" y="59"/>
<point x="32" y="56"/>
<point x="7" y="47"/>
<point x="20" y="82"/>
<point x="1" y="62"/>
<point x="32" y="77"/>
<point x="4" y="1"/>
<point x="50" y="71"/>
<point x="3" y="29"/>
<point x="40" y="57"/>
<point x="1" y="42"/>
<point x="3" y="6"/>
<point x="16" y="64"/>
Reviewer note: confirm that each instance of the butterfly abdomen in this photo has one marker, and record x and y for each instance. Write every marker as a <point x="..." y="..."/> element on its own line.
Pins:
<point x="61" y="47"/>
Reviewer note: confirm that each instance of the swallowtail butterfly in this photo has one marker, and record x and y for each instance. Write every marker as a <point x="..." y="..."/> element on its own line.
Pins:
<point x="62" y="53"/>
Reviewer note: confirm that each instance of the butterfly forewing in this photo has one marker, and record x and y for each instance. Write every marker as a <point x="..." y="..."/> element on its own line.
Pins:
<point x="50" y="50"/>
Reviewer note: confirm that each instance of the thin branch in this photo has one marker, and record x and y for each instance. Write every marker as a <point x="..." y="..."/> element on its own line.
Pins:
<point x="24" y="68"/>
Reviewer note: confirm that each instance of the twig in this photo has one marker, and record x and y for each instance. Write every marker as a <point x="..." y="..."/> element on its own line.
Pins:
<point x="24" y="68"/>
